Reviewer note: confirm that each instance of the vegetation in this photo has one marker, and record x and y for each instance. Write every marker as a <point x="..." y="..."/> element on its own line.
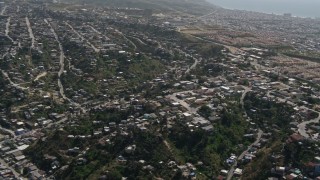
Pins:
<point x="212" y="149"/>
<point x="307" y="55"/>
<point x="265" y="112"/>
<point x="260" y="167"/>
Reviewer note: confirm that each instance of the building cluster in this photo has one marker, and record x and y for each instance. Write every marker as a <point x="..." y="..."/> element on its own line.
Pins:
<point x="266" y="27"/>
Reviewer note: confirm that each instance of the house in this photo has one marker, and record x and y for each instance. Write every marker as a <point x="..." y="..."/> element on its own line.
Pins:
<point x="130" y="149"/>
<point x="238" y="172"/>
<point x="278" y="171"/>
<point x="225" y="88"/>
<point x="35" y="175"/>
<point x="187" y="116"/>
<point x="292" y="176"/>
<point x="313" y="169"/>
<point x="20" y="131"/>
<point x="208" y="128"/>
<point x="295" y="138"/>
<point x="121" y="159"/>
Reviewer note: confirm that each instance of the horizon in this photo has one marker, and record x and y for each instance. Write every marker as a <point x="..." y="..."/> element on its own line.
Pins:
<point x="306" y="8"/>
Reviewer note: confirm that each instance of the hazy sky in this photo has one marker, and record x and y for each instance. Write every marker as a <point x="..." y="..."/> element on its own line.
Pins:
<point x="304" y="8"/>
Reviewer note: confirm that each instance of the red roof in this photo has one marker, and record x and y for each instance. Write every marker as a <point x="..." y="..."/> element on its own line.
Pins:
<point x="310" y="164"/>
<point x="289" y="177"/>
<point x="295" y="138"/>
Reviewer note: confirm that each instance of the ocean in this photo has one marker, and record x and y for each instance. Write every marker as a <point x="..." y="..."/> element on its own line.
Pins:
<point x="300" y="8"/>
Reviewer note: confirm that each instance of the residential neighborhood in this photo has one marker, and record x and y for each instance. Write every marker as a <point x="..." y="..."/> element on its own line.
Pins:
<point x="106" y="92"/>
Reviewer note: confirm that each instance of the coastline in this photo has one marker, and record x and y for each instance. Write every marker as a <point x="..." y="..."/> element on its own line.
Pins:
<point x="306" y="10"/>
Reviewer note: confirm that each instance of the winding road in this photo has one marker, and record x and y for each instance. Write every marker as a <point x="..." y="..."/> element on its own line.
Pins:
<point x="231" y="171"/>
<point x="246" y="90"/>
<point x="7" y="31"/>
<point x="2" y="162"/>
<point x="3" y="10"/>
<point x="194" y="65"/>
<point x="259" y="135"/>
<point x="12" y="83"/>
<point x="302" y="126"/>
<point x="61" y="62"/>
<point x="62" y="57"/>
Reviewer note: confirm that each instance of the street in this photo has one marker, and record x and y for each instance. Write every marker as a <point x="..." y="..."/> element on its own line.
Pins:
<point x="233" y="167"/>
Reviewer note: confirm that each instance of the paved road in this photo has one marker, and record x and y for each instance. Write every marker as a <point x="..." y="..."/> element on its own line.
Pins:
<point x="62" y="57"/>
<point x="98" y="32"/>
<point x="12" y="83"/>
<point x="61" y="61"/>
<point x="302" y="126"/>
<point x="40" y="76"/>
<point x="30" y="32"/>
<point x="233" y="167"/>
<point x="139" y="40"/>
<point x="191" y="110"/>
<point x="82" y="38"/>
<point x="200" y="17"/>
<point x="230" y="48"/>
<point x="8" y="131"/>
<point x="7" y="31"/>
<point x="3" y="10"/>
<point x="133" y="44"/>
<point x="280" y="99"/>
<point x="56" y="123"/>
<point x="16" y="174"/>
<point x="194" y="65"/>
<point x="209" y="41"/>
<point x="246" y="90"/>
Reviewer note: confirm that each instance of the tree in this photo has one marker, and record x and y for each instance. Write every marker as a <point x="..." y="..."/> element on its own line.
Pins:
<point x="205" y="111"/>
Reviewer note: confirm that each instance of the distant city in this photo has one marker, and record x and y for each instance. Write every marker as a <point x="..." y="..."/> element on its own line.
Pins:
<point x="305" y="8"/>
